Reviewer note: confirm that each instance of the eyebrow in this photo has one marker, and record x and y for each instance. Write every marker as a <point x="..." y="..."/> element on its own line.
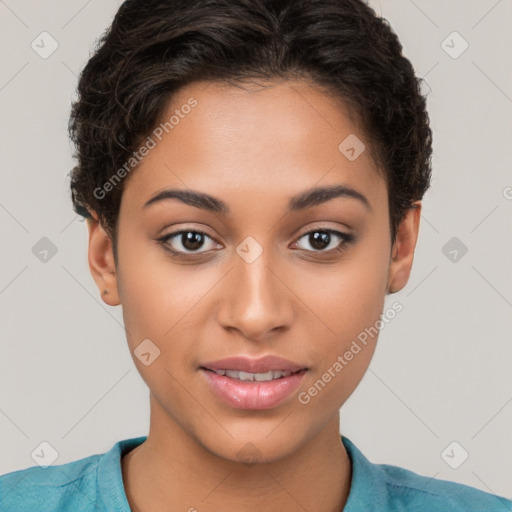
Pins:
<point x="307" y="199"/>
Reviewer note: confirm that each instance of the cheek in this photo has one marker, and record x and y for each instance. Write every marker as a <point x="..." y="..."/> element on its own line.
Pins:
<point x="155" y="293"/>
<point x="344" y="344"/>
<point x="158" y="312"/>
<point x="165" y="303"/>
<point x="348" y="303"/>
<point x="347" y="298"/>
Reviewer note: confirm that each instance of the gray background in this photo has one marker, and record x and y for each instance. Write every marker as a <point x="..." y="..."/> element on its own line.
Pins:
<point x="442" y="369"/>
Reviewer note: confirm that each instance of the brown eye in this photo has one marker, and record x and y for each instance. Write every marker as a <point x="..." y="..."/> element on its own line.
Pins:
<point x="185" y="242"/>
<point x="325" y="240"/>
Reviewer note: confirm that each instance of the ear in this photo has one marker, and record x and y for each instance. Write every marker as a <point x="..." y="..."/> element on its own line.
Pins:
<point x="101" y="261"/>
<point x="402" y="252"/>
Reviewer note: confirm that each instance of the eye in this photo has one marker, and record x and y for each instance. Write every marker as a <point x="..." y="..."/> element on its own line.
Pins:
<point x="326" y="240"/>
<point x="186" y="242"/>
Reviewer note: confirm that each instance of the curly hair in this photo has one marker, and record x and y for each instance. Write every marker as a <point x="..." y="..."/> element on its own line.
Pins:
<point x="155" y="47"/>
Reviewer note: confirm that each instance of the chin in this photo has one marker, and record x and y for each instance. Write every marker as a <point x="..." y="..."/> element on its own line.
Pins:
<point x="250" y="450"/>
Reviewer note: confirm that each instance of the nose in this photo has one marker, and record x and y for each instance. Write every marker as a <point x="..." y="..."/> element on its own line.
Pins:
<point x="257" y="300"/>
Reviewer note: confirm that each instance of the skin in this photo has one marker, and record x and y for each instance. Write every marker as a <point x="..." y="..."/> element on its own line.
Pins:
<point x="254" y="150"/>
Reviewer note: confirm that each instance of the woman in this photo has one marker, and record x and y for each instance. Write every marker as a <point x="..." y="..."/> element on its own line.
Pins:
<point x="252" y="174"/>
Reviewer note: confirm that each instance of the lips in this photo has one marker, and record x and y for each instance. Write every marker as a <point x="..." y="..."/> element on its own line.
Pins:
<point x="253" y="395"/>
<point x="262" y="365"/>
<point x="256" y="384"/>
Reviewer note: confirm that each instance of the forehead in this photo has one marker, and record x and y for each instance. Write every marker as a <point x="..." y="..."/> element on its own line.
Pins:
<point x="267" y="141"/>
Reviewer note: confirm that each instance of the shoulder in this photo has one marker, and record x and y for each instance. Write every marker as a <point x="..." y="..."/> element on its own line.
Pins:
<point x="86" y="485"/>
<point x="70" y="486"/>
<point x="422" y="493"/>
<point x="387" y="488"/>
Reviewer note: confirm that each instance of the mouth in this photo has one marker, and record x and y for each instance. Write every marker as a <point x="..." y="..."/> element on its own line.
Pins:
<point x="246" y="365"/>
<point x="254" y="384"/>
<point x="253" y="394"/>
<point x="254" y="377"/>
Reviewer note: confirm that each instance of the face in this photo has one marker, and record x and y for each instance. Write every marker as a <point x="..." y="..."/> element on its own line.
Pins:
<point x="262" y="267"/>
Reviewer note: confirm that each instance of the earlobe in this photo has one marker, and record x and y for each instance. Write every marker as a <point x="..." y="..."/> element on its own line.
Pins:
<point x="101" y="261"/>
<point x="402" y="252"/>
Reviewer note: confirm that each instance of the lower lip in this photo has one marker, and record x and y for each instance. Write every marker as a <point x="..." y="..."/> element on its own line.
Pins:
<point x="253" y="395"/>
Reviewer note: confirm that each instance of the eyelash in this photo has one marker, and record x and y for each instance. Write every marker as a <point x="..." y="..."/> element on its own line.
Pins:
<point x="346" y="239"/>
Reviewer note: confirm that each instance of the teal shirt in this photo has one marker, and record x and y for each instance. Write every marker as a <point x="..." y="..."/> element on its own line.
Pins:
<point x="95" y="484"/>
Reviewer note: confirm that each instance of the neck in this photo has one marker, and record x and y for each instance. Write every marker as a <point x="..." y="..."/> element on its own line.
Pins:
<point x="172" y="471"/>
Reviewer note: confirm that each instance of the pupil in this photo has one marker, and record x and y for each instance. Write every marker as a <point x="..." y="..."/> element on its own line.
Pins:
<point x="319" y="240"/>
<point x="191" y="240"/>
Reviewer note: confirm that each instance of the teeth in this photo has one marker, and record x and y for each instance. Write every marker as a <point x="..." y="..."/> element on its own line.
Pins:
<point x="259" y="377"/>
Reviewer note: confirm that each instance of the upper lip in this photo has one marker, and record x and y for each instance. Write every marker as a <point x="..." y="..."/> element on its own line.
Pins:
<point x="246" y="364"/>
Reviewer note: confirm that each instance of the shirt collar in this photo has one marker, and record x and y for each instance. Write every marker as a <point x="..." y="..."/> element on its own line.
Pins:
<point x="368" y="490"/>
<point x="110" y="476"/>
